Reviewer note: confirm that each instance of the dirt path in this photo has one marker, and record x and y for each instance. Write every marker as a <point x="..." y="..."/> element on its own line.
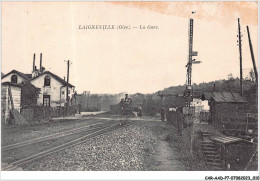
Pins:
<point x="167" y="155"/>
<point x="166" y="159"/>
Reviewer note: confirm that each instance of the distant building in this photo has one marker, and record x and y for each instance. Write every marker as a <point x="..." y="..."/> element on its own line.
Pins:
<point x="224" y="105"/>
<point x="197" y="104"/>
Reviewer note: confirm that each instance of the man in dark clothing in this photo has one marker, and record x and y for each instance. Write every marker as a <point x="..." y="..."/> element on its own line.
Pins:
<point x="180" y="120"/>
<point x="80" y="107"/>
<point x="162" y="113"/>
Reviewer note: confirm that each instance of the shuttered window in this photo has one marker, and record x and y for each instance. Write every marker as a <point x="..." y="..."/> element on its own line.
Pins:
<point x="14" y="79"/>
<point x="47" y="80"/>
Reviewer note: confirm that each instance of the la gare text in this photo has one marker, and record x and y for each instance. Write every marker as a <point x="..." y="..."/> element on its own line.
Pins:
<point x="117" y="27"/>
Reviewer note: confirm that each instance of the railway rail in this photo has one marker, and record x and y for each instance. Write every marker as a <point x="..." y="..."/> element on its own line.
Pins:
<point x="79" y="140"/>
<point x="65" y="122"/>
<point x="50" y="137"/>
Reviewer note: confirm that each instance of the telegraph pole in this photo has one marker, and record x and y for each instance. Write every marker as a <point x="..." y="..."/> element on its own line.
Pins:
<point x="88" y="100"/>
<point x="67" y="91"/>
<point x="252" y="55"/>
<point x="240" y="57"/>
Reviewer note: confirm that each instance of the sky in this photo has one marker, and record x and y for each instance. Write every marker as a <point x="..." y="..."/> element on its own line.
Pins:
<point x="135" y="60"/>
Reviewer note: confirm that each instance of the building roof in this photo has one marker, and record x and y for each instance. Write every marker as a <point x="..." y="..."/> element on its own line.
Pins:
<point x="175" y="101"/>
<point x="28" y="75"/>
<point x="62" y="81"/>
<point x="12" y="84"/>
<point x="25" y="76"/>
<point x="223" y="97"/>
<point x="226" y="139"/>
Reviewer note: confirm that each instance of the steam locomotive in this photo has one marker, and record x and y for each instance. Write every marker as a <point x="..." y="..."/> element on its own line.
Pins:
<point x="128" y="109"/>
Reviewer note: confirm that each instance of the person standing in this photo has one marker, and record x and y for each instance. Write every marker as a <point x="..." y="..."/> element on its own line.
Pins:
<point x="162" y="113"/>
<point x="79" y="107"/>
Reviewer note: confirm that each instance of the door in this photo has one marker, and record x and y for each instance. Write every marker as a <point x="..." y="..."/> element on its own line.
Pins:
<point x="46" y="100"/>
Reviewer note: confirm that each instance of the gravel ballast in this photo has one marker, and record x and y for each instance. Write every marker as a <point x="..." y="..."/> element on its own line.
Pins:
<point x="125" y="149"/>
<point x="144" y="144"/>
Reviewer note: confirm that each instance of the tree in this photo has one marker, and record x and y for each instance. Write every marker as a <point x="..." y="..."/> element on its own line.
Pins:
<point x="230" y="76"/>
<point x="30" y="93"/>
<point x="252" y="75"/>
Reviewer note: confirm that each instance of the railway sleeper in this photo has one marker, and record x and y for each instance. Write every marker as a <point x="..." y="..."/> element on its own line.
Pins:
<point x="215" y="152"/>
<point x="216" y="156"/>
<point x="209" y="148"/>
<point x="214" y="164"/>
<point x="213" y="160"/>
<point x="209" y="144"/>
<point x="216" y="168"/>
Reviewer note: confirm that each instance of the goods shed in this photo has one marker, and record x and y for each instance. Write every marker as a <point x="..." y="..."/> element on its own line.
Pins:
<point x="225" y="106"/>
<point x="10" y="97"/>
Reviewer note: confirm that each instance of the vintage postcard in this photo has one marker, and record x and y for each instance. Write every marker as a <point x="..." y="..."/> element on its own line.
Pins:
<point x="130" y="86"/>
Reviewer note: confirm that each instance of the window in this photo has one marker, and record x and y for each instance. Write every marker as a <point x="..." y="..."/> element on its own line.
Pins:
<point x="47" y="80"/>
<point x="62" y="92"/>
<point x="14" y="79"/>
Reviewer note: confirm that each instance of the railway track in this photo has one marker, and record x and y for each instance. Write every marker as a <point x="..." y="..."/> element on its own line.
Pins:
<point x="51" y="137"/>
<point x="82" y="139"/>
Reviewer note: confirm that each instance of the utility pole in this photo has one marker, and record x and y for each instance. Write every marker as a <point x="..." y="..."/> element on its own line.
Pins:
<point x="252" y="55"/>
<point x="67" y="91"/>
<point x="88" y="100"/>
<point x="240" y="57"/>
<point x="33" y="63"/>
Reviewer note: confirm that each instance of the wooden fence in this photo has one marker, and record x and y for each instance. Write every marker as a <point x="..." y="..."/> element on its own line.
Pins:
<point x="28" y="114"/>
<point x="246" y="123"/>
<point x="43" y="112"/>
<point x="205" y="116"/>
<point x="177" y="119"/>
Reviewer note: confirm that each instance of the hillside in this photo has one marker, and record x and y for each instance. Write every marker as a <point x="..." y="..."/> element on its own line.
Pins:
<point x="151" y="102"/>
<point x="230" y="85"/>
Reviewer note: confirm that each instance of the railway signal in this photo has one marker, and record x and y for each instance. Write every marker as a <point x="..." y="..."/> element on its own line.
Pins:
<point x="188" y="91"/>
<point x="191" y="60"/>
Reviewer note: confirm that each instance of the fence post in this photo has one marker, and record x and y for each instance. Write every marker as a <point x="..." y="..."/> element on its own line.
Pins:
<point x="246" y="123"/>
<point x="192" y="135"/>
<point x="43" y="112"/>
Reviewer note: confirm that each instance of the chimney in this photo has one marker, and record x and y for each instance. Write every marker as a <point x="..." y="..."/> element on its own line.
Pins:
<point x="33" y="62"/>
<point x="41" y="62"/>
<point x="64" y="78"/>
